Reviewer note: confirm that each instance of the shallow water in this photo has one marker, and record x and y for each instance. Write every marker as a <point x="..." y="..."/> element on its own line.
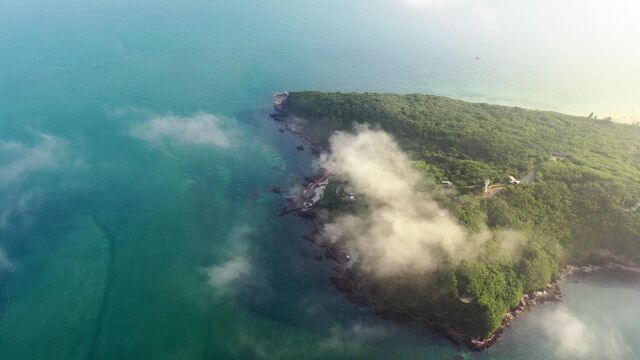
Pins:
<point x="120" y="246"/>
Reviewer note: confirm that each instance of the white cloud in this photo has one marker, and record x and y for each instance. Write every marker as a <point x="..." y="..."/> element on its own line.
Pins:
<point x="223" y="275"/>
<point x="406" y="230"/>
<point x="236" y="268"/>
<point x="574" y="338"/>
<point x="19" y="160"/>
<point x="17" y="205"/>
<point x="355" y="334"/>
<point x="201" y="129"/>
<point x="5" y="263"/>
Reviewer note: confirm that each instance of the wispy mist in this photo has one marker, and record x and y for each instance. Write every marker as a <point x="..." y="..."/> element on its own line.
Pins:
<point x="201" y="129"/>
<point x="222" y="275"/>
<point x="20" y="160"/>
<point x="5" y="262"/>
<point x="355" y="334"/>
<point x="19" y="163"/>
<point x="235" y="267"/>
<point x="406" y="230"/>
<point x="575" y="338"/>
<point x="17" y="205"/>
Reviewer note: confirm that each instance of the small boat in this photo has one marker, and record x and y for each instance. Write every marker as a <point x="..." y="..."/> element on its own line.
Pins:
<point x="300" y="147"/>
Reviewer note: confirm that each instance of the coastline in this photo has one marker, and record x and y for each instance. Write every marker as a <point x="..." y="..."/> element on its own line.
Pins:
<point x="357" y="293"/>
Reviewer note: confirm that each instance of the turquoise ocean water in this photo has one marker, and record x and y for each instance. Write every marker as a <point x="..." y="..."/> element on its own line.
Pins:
<point x="122" y="243"/>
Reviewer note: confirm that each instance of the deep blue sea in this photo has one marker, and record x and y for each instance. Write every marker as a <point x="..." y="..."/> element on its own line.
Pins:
<point x="136" y="154"/>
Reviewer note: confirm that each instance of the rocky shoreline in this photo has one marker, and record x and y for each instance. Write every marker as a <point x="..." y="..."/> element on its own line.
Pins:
<point x="357" y="294"/>
<point x="551" y="293"/>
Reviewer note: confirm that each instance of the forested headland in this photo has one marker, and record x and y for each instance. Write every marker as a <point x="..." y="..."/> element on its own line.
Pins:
<point x="583" y="182"/>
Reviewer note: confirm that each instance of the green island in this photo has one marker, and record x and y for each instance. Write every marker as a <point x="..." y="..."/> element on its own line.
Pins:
<point x="577" y="202"/>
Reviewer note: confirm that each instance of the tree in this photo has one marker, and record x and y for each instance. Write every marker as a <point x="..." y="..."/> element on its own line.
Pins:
<point x="536" y="268"/>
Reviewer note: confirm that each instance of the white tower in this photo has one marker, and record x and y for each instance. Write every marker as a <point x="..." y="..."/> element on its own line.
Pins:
<point x="486" y="185"/>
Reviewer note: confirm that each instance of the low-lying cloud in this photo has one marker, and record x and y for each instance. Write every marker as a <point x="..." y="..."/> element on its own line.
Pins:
<point x="225" y="274"/>
<point x="356" y="334"/>
<point x="201" y="129"/>
<point x="16" y="206"/>
<point x="19" y="163"/>
<point x="235" y="267"/>
<point x="20" y="160"/>
<point x="405" y="230"/>
<point x="5" y="263"/>
<point x="574" y="338"/>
